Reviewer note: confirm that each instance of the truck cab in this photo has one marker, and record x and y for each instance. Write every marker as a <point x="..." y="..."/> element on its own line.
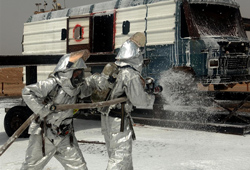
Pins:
<point x="207" y="37"/>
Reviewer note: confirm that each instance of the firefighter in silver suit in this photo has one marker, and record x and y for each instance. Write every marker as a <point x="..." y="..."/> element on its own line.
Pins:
<point x="128" y="83"/>
<point x="52" y="133"/>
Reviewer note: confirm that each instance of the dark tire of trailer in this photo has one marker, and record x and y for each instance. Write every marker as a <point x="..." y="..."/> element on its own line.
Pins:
<point x="14" y="118"/>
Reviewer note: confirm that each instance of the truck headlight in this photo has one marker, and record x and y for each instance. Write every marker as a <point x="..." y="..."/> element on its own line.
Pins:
<point x="213" y="63"/>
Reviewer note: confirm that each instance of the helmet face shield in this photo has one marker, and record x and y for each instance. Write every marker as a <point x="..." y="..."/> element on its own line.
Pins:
<point x="77" y="77"/>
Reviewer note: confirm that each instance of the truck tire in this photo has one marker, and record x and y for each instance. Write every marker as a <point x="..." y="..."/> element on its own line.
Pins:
<point x="14" y="118"/>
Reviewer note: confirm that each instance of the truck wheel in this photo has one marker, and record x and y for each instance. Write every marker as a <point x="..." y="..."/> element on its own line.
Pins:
<point x="14" y="118"/>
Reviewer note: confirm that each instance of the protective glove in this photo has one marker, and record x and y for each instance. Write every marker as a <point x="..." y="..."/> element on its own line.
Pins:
<point x="150" y="84"/>
<point x="150" y="81"/>
<point x="46" y="110"/>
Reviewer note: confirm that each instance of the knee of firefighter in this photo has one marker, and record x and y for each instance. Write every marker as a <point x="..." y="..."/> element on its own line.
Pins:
<point x="110" y="125"/>
<point x="35" y="141"/>
<point x="114" y="125"/>
<point x="34" y="150"/>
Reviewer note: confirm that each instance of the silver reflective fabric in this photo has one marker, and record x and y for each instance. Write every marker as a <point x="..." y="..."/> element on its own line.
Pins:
<point x="34" y="95"/>
<point x="130" y="54"/>
<point x="63" y="62"/>
<point x="119" y="144"/>
<point x="68" y="155"/>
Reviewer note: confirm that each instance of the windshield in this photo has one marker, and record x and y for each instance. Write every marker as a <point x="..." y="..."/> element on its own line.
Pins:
<point x="217" y="20"/>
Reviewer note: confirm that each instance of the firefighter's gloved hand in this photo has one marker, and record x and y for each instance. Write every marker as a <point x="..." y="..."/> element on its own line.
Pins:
<point x="45" y="110"/>
<point x="150" y="85"/>
<point x="149" y="81"/>
<point x="158" y="89"/>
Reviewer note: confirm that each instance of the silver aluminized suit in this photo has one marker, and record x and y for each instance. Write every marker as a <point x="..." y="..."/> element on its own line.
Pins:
<point x="64" y="148"/>
<point x="128" y="83"/>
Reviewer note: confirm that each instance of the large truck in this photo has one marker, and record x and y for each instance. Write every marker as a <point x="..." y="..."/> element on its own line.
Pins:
<point x="206" y="38"/>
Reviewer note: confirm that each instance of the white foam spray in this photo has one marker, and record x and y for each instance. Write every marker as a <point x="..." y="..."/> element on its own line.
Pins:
<point x="178" y="87"/>
<point x="182" y="98"/>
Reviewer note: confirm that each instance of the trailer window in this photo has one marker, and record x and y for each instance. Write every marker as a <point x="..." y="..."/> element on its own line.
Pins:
<point x="217" y="20"/>
<point x="78" y="32"/>
<point x="63" y="34"/>
<point x="125" y="27"/>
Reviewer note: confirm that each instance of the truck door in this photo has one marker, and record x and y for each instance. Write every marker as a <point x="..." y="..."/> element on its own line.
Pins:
<point x="102" y="39"/>
<point x="93" y="32"/>
<point x="78" y="33"/>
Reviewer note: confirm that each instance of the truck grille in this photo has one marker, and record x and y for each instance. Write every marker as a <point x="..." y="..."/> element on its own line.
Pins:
<point x="233" y="63"/>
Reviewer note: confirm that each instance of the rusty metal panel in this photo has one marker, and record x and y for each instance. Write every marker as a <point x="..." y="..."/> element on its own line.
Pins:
<point x="83" y="24"/>
<point x="44" y="37"/>
<point x="136" y="17"/>
<point x="161" y="23"/>
<point x="73" y="48"/>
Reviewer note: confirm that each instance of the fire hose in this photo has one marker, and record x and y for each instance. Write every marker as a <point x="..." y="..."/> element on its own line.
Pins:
<point x="20" y="130"/>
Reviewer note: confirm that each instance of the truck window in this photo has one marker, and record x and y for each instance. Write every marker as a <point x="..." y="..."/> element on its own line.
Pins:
<point x="184" y="28"/>
<point x="217" y="20"/>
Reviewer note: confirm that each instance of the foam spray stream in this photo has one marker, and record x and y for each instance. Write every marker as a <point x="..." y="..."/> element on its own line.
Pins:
<point x="181" y="96"/>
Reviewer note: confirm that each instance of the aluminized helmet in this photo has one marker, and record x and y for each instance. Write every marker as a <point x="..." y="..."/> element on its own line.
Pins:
<point x="130" y="53"/>
<point x="72" y="61"/>
<point x="139" y="38"/>
<point x="69" y="71"/>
